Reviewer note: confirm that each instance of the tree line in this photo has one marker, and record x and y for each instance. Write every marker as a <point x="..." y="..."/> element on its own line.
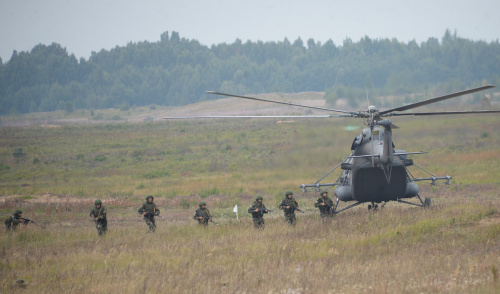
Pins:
<point x="178" y="71"/>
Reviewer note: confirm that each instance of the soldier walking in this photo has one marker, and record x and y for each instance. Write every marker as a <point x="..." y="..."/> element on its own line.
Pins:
<point x="325" y="205"/>
<point x="289" y="205"/>
<point x="202" y="214"/>
<point x="15" y="219"/>
<point x="149" y="210"/>
<point x="257" y="210"/>
<point x="98" y="213"/>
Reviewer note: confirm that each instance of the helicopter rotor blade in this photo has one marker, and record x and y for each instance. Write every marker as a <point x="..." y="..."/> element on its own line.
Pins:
<point x="444" y="113"/>
<point x="436" y="99"/>
<point x="256" y="116"/>
<point x="286" y="103"/>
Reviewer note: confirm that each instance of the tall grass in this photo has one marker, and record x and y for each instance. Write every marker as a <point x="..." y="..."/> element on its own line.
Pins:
<point x="450" y="248"/>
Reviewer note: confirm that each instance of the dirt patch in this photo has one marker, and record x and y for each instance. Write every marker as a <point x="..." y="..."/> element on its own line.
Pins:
<point x="50" y="126"/>
<point x="490" y="221"/>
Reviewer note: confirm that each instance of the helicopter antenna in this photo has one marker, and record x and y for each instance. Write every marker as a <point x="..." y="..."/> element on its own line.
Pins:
<point x="368" y="99"/>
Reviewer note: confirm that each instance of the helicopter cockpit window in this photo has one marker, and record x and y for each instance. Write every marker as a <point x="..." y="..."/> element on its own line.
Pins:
<point x="356" y="142"/>
<point x="378" y="135"/>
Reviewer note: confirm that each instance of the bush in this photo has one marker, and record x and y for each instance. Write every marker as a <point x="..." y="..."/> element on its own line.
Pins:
<point x="206" y="193"/>
<point x="100" y="158"/>
<point x="184" y="203"/>
<point x="4" y="167"/>
<point x="125" y="106"/>
<point x="156" y="174"/>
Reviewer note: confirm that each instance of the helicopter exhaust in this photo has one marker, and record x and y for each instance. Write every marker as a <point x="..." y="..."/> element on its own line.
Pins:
<point x="387" y="151"/>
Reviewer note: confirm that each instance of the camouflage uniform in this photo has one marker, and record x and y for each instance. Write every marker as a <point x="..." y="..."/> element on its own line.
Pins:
<point x="325" y="212"/>
<point x="99" y="215"/>
<point x="258" y="217"/>
<point x="203" y="212"/>
<point x="14" y="220"/>
<point x="290" y="212"/>
<point x="152" y="210"/>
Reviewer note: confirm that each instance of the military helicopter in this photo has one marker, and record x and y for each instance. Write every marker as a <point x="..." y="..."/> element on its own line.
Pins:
<point x="375" y="172"/>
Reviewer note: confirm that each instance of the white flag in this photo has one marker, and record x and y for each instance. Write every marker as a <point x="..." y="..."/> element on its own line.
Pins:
<point x="235" y="209"/>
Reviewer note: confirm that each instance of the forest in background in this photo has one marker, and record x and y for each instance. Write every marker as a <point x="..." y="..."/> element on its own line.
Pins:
<point x="177" y="71"/>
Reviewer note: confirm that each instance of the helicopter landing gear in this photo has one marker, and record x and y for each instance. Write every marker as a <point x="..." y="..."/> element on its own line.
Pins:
<point x="427" y="202"/>
<point x="373" y="205"/>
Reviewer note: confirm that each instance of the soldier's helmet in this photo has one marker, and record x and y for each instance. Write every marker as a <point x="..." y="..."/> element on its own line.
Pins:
<point x="150" y="196"/>
<point x="324" y="192"/>
<point x="202" y="203"/>
<point x="18" y="211"/>
<point x="259" y="197"/>
<point x="98" y="202"/>
<point x="288" y="193"/>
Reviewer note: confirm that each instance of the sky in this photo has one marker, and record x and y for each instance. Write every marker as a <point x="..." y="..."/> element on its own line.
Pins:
<point x="83" y="26"/>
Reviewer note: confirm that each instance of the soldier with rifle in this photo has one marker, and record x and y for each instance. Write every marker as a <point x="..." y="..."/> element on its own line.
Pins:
<point x="257" y="210"/>
<point x="202" y="215"/>
<point x="325" y="205"/>
<point x="289" y="205"/>
<point x="13" y="221"/>
<point x="98" y="213"/>
<point x="149" y="210"/>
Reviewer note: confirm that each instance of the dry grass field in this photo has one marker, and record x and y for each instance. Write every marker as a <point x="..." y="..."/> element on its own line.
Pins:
<point x="453" y="247"/>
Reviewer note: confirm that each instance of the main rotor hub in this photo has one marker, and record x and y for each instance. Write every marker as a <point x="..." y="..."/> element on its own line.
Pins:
<point x="372" y="109"/>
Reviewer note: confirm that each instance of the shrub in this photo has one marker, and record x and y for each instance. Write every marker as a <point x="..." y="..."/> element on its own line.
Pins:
<point x="100" y="158"/>
<point x="4" y="167"/>
<point x="184" y="203"/>
<point x="156" y="174"/>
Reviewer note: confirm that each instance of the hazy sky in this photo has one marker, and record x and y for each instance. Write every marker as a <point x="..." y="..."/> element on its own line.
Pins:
<point x="83" y="26"/>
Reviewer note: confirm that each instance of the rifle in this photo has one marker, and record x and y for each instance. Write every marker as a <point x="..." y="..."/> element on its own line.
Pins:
<point x="26" y="221"/>
<point x="262" y="211"/>
<point x="149" y="214"/>
<point x="209" y="219"/>
<point x="330" y="208"/>
<point x="292" y="207"/>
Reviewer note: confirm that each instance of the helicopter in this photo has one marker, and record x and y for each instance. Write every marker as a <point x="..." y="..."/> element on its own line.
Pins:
<point x="375" y="172"/>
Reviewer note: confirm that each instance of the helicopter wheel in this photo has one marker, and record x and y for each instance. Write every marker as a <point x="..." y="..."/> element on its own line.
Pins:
<point x="427" y="202"/>
<point x="376" y="206"/>
<point x="369" y="206"/>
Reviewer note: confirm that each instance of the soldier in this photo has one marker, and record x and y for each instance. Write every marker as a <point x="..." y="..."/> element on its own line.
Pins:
<point x="14" y="220"/>
<point x="257" y="210"/>
<point x="289" y="205"/>
<point x="202" y="215"/>
<point x="98" y="213"/>
<point x="149" y="210"/>
<point x="325" y="205"/>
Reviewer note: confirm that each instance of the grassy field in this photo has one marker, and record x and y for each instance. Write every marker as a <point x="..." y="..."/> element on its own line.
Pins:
<point x="452" y="247"/>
